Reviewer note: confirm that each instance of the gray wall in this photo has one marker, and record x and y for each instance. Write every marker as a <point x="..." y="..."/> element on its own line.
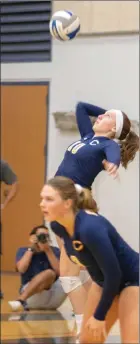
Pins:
<point x="104" y="71"/>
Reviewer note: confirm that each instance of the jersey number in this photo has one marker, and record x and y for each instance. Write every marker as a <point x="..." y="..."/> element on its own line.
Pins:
<point x="75" y="147"/>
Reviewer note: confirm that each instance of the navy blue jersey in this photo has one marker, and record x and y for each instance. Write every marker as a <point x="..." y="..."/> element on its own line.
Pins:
<point x="110" y="261"/>
<point x="83" y="159"/>
<point x="39" y="263"/>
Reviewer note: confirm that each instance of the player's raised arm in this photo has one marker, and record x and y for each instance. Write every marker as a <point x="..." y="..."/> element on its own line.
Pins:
<point x="83" y="112"/>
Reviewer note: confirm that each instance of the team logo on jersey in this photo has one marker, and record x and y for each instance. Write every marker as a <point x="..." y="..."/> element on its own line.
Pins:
<point x="94" y="142"/>
<point x="75" y="260"/>
<point x="77" y="245"/>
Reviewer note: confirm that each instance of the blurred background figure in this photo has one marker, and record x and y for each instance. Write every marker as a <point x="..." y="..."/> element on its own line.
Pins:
<point x="8" y="177"/>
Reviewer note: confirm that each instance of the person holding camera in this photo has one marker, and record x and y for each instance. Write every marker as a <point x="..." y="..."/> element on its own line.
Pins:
<point x="38" y="266"/>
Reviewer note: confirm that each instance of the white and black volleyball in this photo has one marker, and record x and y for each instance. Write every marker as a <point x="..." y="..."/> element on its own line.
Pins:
<point x="64" y="25"/>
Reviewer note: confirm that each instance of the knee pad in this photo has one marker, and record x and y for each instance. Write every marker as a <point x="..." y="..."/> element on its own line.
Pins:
<point x="70" y="283"/>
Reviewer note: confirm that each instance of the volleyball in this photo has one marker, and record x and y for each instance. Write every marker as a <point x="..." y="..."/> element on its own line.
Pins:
<point x="64" y="25"/>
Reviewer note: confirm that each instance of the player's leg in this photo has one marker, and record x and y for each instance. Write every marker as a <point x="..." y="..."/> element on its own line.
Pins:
<point x="93" y="299"/>
<point x="57" y="295"/>
<point x="75" y="284"/>
<point x="129" y="314"/>
<point x="71" y="282"/>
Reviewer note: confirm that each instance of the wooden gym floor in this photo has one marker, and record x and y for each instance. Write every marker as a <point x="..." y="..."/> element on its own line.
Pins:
<point x="38" y="327"/>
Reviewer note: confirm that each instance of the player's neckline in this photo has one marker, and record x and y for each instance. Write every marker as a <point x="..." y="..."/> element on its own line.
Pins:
<point x="90" y="212"/>
<point x="100" y="137"/>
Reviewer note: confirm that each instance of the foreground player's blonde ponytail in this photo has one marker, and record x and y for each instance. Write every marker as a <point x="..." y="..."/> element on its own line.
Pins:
<point x="86" y="201"/>
<point x="81" y="197"/>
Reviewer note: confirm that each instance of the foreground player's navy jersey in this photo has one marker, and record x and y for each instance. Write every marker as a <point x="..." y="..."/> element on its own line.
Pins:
<point x="83" y="159"/>
<point x="110" y="261"/>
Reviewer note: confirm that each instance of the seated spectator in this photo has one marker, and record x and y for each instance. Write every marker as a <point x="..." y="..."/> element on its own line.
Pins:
<point x="38" y="266"/>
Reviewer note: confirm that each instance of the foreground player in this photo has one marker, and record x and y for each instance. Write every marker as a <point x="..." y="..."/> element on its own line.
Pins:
<point x="83" y="161"/>
<point x="113" y="265"/>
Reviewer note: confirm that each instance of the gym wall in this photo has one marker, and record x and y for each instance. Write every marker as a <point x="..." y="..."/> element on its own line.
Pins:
<point x="103" y="70"/>
<point x="104" y="16"/>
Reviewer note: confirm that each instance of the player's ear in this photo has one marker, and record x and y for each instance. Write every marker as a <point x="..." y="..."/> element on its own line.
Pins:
<point x="113" y="130"/>
<point x="68" y="203"/>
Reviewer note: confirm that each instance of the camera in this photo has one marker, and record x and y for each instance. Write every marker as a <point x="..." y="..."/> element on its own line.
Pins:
<point x="43" y="238"/>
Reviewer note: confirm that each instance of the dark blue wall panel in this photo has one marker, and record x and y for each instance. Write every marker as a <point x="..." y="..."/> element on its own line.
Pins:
<point x="25" y="32"/>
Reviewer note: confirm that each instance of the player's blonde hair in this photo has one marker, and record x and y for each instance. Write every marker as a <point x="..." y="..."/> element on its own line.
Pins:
<point x="81" y="199"/>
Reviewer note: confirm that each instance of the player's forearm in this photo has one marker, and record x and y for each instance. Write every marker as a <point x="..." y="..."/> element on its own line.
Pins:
<point x="83" y="113"/>
<point x="91" y="110"/>
<point x="110" y="290"/>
